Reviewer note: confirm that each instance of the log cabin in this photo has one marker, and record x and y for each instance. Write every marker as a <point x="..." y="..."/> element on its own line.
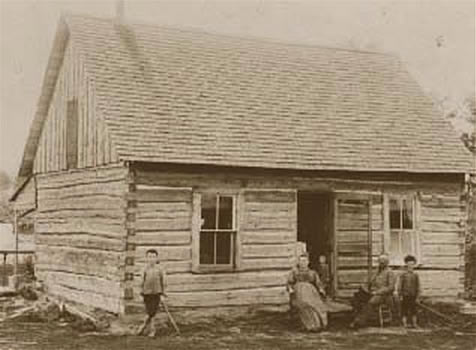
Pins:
<point x="222" y="153"/>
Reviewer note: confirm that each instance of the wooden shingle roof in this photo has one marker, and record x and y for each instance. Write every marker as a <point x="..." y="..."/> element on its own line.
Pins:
<point x="184" y="96"/>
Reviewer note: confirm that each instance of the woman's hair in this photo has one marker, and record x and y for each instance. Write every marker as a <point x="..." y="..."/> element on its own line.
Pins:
<point x="409" y="258"/>
<point x="304" y="255"/>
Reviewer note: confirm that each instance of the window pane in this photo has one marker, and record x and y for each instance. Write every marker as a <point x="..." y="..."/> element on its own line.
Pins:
<point x="407" y="213"/>
<point x="394" y="214"/>
<point x="407" y="243"/>
<point x="206" y="247"/>
<point x="395" y="244"/>
<point x="225" y="217"/>
<point x="224" y="248"/>
<point x="209" y="210"/>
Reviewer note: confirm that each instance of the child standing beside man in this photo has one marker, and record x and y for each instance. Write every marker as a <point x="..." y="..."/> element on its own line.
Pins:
<point x="409" y="290"/>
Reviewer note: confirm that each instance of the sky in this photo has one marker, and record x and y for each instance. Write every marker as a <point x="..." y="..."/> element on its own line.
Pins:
<point x="434" y="38"/>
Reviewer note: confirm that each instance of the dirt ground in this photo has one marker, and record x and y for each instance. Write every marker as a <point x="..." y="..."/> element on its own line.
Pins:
<point x="264" y="331"/>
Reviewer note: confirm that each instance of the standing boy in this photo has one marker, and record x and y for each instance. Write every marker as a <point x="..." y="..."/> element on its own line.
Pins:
<point x="153" y="287"/>
<point x="409" y="288"/>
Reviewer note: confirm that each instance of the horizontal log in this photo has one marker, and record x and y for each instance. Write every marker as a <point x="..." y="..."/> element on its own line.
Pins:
<point x="446" y="262"/>
<point x="256" y="296"/>
<point x="267" y="237"/>
<point x="86" y="283"/>
<point x="81" y="176"/>
<point x="112" y="189"/>
<point x="164" y="215"/>
<point x="271" y="215"/>
<point x="161" y="238"/>
<point x="89" y="203"/>
<point x="440" y="226"/>
<point x="85" y="261"/>
<point x="253" y="264"/>
<point x="172" y="267"/>
<point x="178" y="223"/>
<point x="442" y="250"/>
<point x="357" y="248"/>
<point x="96" y="300"/>
<point x="150" y="208"/>
<point x="351" y="262"/>
<point x="352" y="276"/>
<point x="59" y="213"/>
<point x="270" y="196"/>
<point x="166" y="253"/>
<point x="450" y="204"/>
<point x="442" y="237"/>
<point x="104" y="227"/>
<point x="268" y="250"/>
<point x="175" y="179"/>
<point x="189" y="282"/>
<point x="162" y="195"/>
<point x="254" y="224"/>
<point x="270" y="207"/>
<point x="358" y="236"/>
<point x="81" y="240"/>
<point x="434" y="214"/>
<point x="360" y="211"/>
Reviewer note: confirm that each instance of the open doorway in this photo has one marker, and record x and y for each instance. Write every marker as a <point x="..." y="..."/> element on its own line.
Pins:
<point x="315" y="225"/>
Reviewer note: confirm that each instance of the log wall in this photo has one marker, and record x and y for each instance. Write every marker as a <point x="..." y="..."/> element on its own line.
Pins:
<point x="93" y="228"/>
<point x="81" y="235"/>
<point x="270" y="248"/>
<point x="94" y="144"/>
<point x="164" y="220"/>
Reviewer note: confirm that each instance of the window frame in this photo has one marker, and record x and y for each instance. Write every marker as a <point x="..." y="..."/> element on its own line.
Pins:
<point x="414" y="232"/>
<point x="198" y="267"/>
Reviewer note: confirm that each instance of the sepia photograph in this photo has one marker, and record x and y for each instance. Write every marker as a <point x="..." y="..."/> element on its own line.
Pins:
<point x="237" y="174"/>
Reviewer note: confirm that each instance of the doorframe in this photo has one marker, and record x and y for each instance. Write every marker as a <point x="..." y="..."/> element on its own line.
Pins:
<point x="331" y="228"/>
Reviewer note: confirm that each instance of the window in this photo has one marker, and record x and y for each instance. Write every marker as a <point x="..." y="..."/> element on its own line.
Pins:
<point x="72" y="134"/>
<point x="403" y="236"/>
<point x="217" y="230"/>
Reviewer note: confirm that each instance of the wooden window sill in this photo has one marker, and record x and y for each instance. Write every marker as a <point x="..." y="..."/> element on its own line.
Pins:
<point x="213" y="269"/>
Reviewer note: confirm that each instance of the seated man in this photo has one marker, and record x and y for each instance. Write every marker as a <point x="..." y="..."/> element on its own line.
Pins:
<point x="381" y="290"/>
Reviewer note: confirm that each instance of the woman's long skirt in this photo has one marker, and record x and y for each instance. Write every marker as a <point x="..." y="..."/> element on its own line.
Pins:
<point x="311" y="308"/>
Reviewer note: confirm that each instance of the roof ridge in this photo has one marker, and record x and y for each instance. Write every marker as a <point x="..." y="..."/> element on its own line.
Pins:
<point x="196" y="30"/>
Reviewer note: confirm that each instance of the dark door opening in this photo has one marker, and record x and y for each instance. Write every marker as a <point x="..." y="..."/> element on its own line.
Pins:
<point x="315" y="220"/>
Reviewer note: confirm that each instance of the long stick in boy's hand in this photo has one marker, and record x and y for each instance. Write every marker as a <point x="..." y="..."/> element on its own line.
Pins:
<point x="444" y="317"/>
<point x="170" y="317"/>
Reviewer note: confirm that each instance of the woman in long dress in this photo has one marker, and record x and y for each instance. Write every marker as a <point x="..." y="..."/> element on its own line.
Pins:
<point x="307" y="292"/>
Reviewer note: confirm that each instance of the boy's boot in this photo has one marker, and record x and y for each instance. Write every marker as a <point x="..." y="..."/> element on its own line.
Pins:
<point x="143" y="326"/>
<point x="414" y="321"/>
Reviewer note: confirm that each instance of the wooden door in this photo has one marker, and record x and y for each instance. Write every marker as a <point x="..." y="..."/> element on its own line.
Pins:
<point x="352" y="243"/>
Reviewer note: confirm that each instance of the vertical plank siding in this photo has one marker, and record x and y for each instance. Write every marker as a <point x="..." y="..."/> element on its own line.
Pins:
<point x="73" y="82"/>
<point x="80" y="234"/>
